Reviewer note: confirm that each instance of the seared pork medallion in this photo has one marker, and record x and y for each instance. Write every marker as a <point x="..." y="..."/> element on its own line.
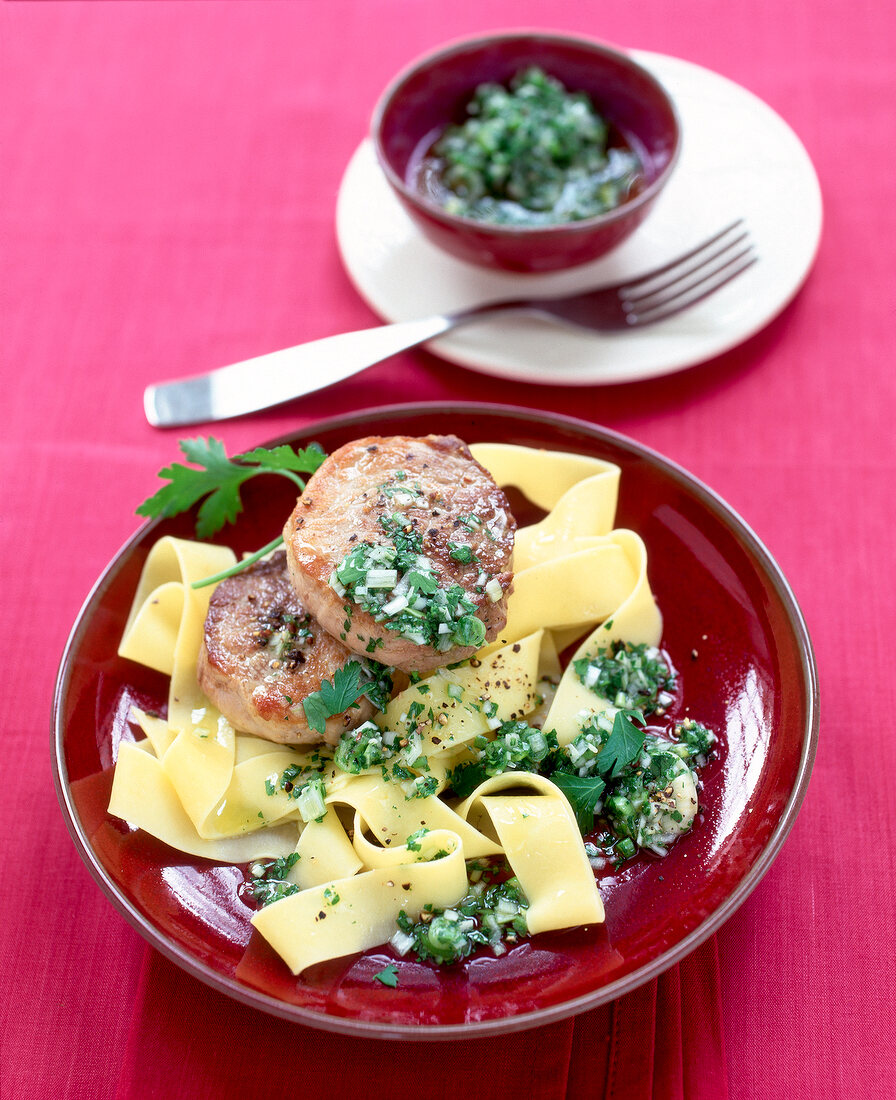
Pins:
<point x="262" y="654"/>
<point x="401" y="547"/>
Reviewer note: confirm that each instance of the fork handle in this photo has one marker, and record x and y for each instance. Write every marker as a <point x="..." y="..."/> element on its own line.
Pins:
<point x="280" y="376"/>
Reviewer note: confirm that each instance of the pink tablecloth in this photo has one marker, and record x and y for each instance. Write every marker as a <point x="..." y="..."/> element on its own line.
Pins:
<point x="168" y="186"/>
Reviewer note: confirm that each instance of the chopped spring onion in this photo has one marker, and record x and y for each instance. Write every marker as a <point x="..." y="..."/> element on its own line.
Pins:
<point x="493" y="590"/>
<point x="310" y="802"/>
<point x="381" y="578"/>
<point x="488" y="915"/>
<point x="402" y="942"/>
<point x="399" y="603"/>
<point x="631" y="677"/>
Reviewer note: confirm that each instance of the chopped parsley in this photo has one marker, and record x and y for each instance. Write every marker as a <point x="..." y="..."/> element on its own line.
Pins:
<point x="461" y="552"/>
<point x="422" y="786"/>
<point x="531" y="153"/>
<point x="362" y="748"/>
<point x="644" y="806"/>
<point x="268" y="881"/>
<point x="396" y="583"/>
<point x="694" y="742"/>
<point x="290" y="780"/>
<point x="516" y="746"/>
<point x="376" y="683"/>
<point x="413" y="841"/>
<point x="491" y="914"/>
<point x="399" y="757"/>
<point x="630" y="677"/>
<point x="472" y="522"/>
<point x="612" y="770"/>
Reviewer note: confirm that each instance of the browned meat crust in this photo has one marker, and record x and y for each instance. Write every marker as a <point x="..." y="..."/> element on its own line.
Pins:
<point x="425" y="498"/>
<point x="262" y="654"/>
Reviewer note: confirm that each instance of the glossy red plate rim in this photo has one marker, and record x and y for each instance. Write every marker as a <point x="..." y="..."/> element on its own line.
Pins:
<point x="367" y="423"/>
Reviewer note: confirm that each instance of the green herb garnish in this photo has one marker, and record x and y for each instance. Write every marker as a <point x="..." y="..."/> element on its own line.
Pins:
<point x="396" y="583"/>
<point x="362" y="748"/>
<point x="388" y="976"/>
<point x="516" y="746"/>
<point x="584" y="792"/>
<point x="488" y="915"/>
<point x="219" y="479"/>
<point x="334" y="698"/>
<point x="533" y="153"/>
<point x="622" y="747"/>
<point x="269" y="882"/>
<point x="413" y="841"/>
<point x="628" y="676"/>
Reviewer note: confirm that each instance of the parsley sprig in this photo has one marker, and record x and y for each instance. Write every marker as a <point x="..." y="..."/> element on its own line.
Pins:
<point x="219" y="479"/>
<point x="334" y="698"/>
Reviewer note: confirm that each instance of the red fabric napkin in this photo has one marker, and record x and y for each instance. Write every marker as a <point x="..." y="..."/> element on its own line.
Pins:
<point x="661" y="1042"/>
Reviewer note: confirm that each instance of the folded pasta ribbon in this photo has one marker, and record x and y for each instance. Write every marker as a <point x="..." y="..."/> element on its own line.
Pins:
<point x="144" y="796"/>
<point x="453" y="706"/>
<point x="545" y="476"/>
<point x="350" y="915"/>
<point x="636" y="620"/>
<point x="165" y="626"/>
<point x="538" y="835"/>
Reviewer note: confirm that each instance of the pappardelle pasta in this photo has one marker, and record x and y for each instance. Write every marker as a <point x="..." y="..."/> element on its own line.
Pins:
<point x="456" y="818"/>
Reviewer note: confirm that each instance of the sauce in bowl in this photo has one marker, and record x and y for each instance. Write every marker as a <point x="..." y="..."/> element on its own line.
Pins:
<point x="529" y="154"/>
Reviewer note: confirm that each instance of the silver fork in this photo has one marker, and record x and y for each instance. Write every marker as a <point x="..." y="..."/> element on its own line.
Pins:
<point x="281" y="376"/>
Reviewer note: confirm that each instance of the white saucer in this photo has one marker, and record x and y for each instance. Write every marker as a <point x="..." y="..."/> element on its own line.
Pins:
<point x="738" y="158"/>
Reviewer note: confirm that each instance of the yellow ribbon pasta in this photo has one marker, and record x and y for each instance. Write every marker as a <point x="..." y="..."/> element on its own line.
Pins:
<point x="455" y="705"/>
<point x="165" y="625"/>
<point x="325" y="853"/>
<point x="574" y="592"/>
<point x="353" y="914"/>
<point x="204" y="788"/>
<point x="539" y="837"/>
<point x="637" y="620"/>
<point x="382" y="810"/>
<point x="543" y="476"/>
<point x="143" y="795"/>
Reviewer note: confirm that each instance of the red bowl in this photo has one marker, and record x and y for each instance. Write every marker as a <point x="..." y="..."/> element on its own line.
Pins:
<point x="753" y="680"/>
<point x="433" y="93"/>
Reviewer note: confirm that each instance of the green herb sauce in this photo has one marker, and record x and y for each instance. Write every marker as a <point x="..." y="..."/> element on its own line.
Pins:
<point x="396" y="583"/>
<point x="530" y="154"/>
<point x="493" y="913"/>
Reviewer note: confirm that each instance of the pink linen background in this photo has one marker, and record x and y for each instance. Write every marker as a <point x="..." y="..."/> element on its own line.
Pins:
<point x="169" y="175"/>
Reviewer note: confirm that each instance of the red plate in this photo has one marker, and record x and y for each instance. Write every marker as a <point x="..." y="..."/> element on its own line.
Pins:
<point x="734" y="632"/>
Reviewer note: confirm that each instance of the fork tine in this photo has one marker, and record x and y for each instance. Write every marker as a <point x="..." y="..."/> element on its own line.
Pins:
<point x="693" y="277"/>
<point x="679" y="278"/>
<point x="684" y="299"/>
<point x="672" y="264"/>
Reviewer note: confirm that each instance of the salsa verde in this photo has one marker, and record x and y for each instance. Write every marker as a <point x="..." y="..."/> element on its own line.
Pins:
<point x="531" y="153"/>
